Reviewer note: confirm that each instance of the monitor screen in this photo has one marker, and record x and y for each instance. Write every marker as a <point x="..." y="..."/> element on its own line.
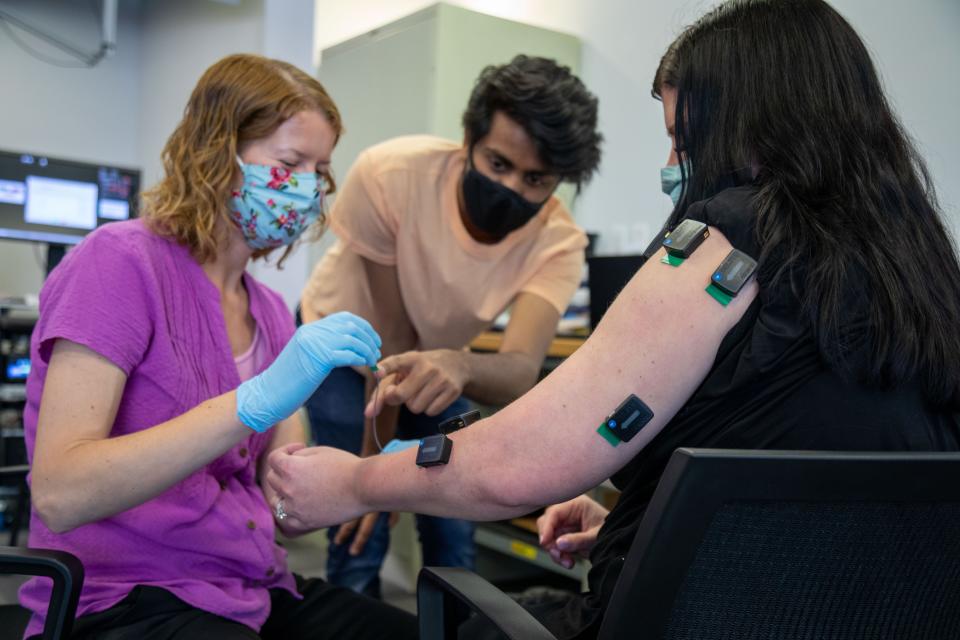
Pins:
<point x="59" y="201"/>
<point x="607" y="276"/>
<point x="18" y="369"/>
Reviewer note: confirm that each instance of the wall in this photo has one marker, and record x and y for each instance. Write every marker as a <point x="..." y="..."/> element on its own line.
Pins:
<point x="123" y="110"/>
<point x="914" y="45"/>
<point x="78" y="114"/>
<point x="180" y="39"/>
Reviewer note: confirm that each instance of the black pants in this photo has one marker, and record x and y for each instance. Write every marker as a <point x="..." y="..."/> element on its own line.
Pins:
<point x="326" y="611"/>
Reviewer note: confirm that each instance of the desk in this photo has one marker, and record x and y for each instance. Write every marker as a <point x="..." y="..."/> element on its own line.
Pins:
<point x="561" y="347"/>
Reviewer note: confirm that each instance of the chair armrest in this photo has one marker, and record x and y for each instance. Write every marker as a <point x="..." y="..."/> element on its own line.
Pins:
<point x="63" y="568"/>
<point x="446" y="594"/>
<point x="15" y="470"/>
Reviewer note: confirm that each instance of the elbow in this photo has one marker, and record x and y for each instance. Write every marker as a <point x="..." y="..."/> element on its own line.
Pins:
<point x="52" y="507"/>
<point x="507" y="491"/>
<point x="525" y="377"/>
<point x="528" y="372"/>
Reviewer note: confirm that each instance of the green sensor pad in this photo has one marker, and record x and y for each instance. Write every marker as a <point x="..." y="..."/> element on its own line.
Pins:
<point x="718" y="295"/>
<point x="672" y="260"/>
<point x="626" y="421"/>
<point x="604" y="431"/>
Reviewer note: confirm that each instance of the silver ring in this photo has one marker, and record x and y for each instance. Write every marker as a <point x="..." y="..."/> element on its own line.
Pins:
<point x="279" y="512"/>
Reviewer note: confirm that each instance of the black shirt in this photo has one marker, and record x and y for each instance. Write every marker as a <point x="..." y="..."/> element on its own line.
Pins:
<point x="769" y="388"/>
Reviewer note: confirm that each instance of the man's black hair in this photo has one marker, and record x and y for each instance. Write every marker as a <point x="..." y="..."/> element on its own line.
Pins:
<point x="550" y="103"/>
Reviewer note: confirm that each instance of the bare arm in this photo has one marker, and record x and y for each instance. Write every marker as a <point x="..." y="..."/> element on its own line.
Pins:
<point x="80" y="475"/>
<point x="658" y="340"/>
<point x="502" y="377"/>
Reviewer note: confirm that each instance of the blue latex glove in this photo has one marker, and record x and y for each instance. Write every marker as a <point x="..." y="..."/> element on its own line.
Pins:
<point x="316" y="349"/>
<point x="396" y="446"/>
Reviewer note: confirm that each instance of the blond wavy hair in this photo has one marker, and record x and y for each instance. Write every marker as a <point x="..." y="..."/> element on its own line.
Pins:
<point x="239" y="99"/>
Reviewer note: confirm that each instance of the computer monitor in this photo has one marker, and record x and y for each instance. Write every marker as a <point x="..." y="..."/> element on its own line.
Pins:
<point x="57" y="201"/>
<point x="607" y="276"/>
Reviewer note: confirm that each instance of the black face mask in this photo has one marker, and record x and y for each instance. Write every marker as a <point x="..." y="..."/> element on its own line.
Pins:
<point x="493" y="208"/>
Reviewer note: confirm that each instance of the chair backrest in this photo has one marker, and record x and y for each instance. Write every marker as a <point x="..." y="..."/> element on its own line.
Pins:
<point x="795" y="545"/>
<point x="66" y="572"/>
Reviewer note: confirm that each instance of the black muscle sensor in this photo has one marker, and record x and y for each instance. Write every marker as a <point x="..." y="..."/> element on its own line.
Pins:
<point x="458" y="422"/>
<point x="434" y="450"/>
<point x="626" y="421"/>
<point x="733" y="272"/>
<point x="685" y="239"/>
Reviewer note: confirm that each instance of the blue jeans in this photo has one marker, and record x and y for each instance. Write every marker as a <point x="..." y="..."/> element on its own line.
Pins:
<point x="336" y="420"/>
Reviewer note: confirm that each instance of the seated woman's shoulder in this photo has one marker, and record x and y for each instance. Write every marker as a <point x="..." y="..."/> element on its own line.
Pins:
<point x="733" y="212"/>
<point x="129" y="242"/>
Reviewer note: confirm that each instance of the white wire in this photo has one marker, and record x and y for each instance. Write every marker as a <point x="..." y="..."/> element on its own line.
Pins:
<point x="376" y="436"/>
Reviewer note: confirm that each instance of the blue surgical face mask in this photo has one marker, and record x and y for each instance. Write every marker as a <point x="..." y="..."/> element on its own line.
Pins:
<point x="274" y="206"/>
<point x="671" y="181"/>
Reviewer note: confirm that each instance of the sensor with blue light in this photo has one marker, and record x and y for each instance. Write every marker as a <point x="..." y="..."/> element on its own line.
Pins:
<point x="626" y="421"/>
<point x="728" y="279"/>
<point x="683" y="241"/>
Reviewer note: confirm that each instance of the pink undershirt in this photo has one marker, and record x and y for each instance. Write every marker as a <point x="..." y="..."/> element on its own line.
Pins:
<point x="252" y="361"/>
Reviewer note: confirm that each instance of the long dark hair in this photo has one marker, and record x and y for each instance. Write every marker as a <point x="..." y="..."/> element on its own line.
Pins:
<point x="847" y="213"/>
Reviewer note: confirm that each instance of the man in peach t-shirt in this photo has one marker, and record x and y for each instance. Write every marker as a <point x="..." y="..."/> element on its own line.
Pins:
<point x="435" y="240"/>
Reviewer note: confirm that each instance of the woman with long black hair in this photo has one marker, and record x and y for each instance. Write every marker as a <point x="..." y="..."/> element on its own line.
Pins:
<point x="845" y="340"/>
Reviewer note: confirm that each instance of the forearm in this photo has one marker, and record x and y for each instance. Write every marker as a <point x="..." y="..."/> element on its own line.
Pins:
<point x="95" y="479"/>
<point x="460" y="489"/>
<point x="499" y="378"/>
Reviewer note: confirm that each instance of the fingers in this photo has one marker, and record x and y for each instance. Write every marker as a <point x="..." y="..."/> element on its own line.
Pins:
<point x="365" y="530"/>
<point x="546" y="524"/>
<point x="442" y="401"/>
<point x="342" y="337"/>
<point x="345" y="531"/>
<point x="578" y="542"/>
<point x="360" y="530"/>
<point x="401" y="362"/>
<point x="354" y="323"/>
<point x="375" y="406"/>
<point x="273" y="480"/>
<point x="350" y="347"/>
<point x="431" y="389"/>
<point x="290" y="449"/>
<point x="565" y="560"/>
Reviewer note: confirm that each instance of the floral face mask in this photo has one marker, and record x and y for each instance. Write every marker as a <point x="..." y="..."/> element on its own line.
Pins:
<point x="274" y="205"/>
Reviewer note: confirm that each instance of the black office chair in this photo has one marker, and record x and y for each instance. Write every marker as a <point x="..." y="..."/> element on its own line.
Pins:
<point x="18" y="474"/>
<point x="64" y="569"/>
<point x="779" y="545"/>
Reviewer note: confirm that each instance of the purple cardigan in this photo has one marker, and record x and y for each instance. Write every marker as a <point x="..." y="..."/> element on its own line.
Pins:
<point x="141" y="301"/>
